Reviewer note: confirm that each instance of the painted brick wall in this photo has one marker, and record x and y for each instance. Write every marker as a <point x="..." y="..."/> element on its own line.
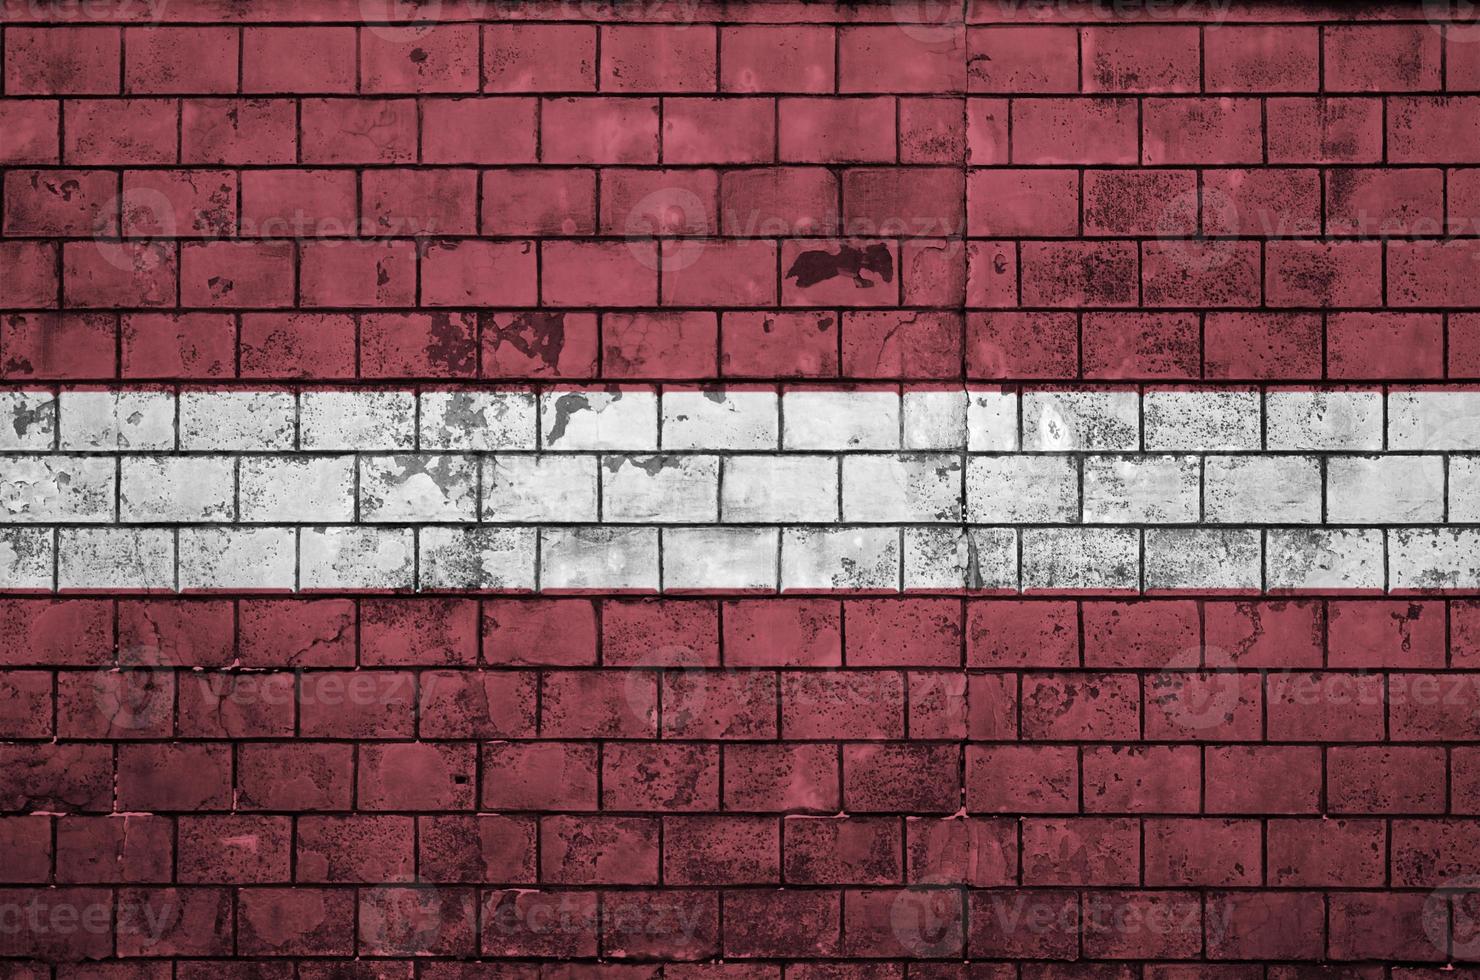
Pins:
<point x="677" y="490"/>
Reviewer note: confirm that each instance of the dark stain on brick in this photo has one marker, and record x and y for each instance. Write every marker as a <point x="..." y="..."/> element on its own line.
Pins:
<point x="819" y="265"/>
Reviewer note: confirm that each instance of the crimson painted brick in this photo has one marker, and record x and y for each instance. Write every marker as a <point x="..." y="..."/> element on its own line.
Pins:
<point x="720" y="786"/>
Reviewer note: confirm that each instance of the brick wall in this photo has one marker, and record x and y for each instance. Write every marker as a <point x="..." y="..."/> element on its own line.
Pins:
<point x="677" y="490"/>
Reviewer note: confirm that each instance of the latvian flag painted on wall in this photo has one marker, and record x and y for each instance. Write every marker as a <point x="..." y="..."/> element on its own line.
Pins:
<point x="763" y="490"/>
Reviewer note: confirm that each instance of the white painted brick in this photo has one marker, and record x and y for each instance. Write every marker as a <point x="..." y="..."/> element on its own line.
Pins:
<point x="127" y="421"/>
<point x="793" y="488"/>
<point x="616" y="419"/>
<point x="238" y="558"/>
<point x="28" y="420"/>
<point x="714" y="419"/>
<point x="1329" y="420"/>
<point x="1434" y="420"/>
<point x="372" y="421"/>
<point x="1203" y="559"/>
<point x="1464" y="489"/>
<point x="663" y="489"/>
<point x="838" y="419"/>
<point x="1317" y="558"/>
<point x="934" y="419"/>
<point x="417" y="488"/>
<point x="548" y="487"/>
<point x="912" y="488"/>
<point x="1082" y="421"/>
<point x="1262" y="490"/>
<point x="1196" y="421"/>
<point x="599" y="558"/>
<point x="297" y="489"/>
<point x="1384" y="489"/>
<point x="116" y="558"/>
<point x="355" y="558"/>
<point x="729" y="558"/>
<point x="244" y="421"/>
<point x="1056" y="558"/>
<point x="865" y="558"/>
<point x="1021" y="489"/>
<point x="992" y="421"/>
<point x="1434" y="558"/>
<point x="184" y="489"/>
<point x="25" y="559"/>
<point x="1141" y="489"/>
<point x="479" y="420"/>
<point x="493" y="558"/>
<point x="40" y="489"/>
<point x="974" y="559"/>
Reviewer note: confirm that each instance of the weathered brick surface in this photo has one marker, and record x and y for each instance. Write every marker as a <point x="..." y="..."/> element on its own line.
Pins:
<point x="760" y="490"/>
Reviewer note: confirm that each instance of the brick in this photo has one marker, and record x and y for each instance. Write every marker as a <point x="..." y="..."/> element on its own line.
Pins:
<point x="1202" y="851"/>
<point x="1263" y="779"/>
<point x="441" y="60"/>
<point x="658" y="58"/>
<point x="1075" y="273"/>
<point x="95" y="131"/>
<point x="174" y="777"/>
<point x="1259" y="346"/>
<point x="1240" y="58"/>
<point x="721" y="849"/>
<point x="60" y="203"/>
<point x="539" y="57"/>
<point x="234" y="849"/>
<point x="152" y="65"/>
<point x="1140" y="346"/>
<point x="1138" y="779"/>
<point x="1072" y="131"/>
<point x="1334" y="274"/>
<point x="368" y="274"/>
<point x="295" y="776"/>
<point x="1022" y="779"/>
<point x="599" y="273"/>
<point x="730" y="130"/>
<point x="298" y="59"/>
<point x="1023" y="202"/>
<point x="32" y="125"/>
<point x="58" y="346"/>
<point x="358" y="131"/>
<point x="1202" y="131"/>
<point x="793" y="58"/>
<point x="1386" y="779"/>
<point x="878" y="58"/>
<point x="478" y="273"/>
<point x="539" y="775"/>
<point x="1140" y="59"/>
<point x="817" y="130"/>
<point x="782" y="633"/>
<point x="416" y="776"/>
<point x="1382" y="58"/>
<point x="485" y="847"/>
<point x="105" y="275"/>
<point x="536" y="345"/>
<point x="237" y="131"/>
<point x="777" y="777"/>
<point x="666" y="778"/>
<point x="479" y="130"/>
<point x="599" y="850"/>
<point x="1324" y="130"/>
<point x="1022" y="59"/>
<point x="599" y="130"/>
<point x="62" y="60"/>
<point x="1268" y="203"/>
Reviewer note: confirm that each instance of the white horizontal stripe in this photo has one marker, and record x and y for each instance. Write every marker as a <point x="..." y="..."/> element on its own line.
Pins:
<point x="806" y="488"/>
